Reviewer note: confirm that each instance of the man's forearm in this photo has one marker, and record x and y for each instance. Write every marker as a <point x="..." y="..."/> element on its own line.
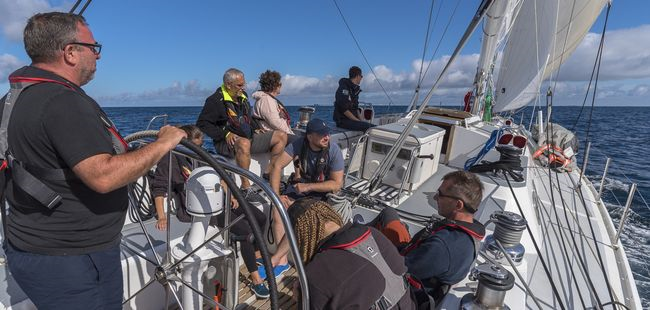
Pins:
<point x="105" y="173"/>
<point x="324" y="187"/>
<point x="351" y="115"/>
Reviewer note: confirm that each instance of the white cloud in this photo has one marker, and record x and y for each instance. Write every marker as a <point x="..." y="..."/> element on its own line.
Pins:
<point x="626" y="55"/>
<point x="626" y="65"/>
<point x="8" y="63"/>
<point x="297" y="85"/>
<point x="176" y="92"/>
<point x="14" y="15"/>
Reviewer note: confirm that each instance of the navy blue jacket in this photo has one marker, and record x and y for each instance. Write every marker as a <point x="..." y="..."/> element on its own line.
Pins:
<point x="347" y="99"/>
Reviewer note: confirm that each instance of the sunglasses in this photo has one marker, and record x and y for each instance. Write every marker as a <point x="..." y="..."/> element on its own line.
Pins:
<point x="467" y="207"/>
<point x="517" y="140"/>
<point x="96" y="48"/>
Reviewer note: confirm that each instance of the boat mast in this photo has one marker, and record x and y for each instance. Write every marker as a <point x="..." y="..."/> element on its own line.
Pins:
<point x="492" y="27"/>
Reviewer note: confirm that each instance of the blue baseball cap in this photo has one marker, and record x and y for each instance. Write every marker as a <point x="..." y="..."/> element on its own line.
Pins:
<point x="318" y="126"/>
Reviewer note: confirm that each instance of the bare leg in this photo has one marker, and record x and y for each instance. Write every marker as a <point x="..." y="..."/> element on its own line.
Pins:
<point x="278" y="234"/>
<point x="278" y="142"/>
<point x="280" y="258"/>
<point x="243" y="158"/>
<point x="255" y="277"/>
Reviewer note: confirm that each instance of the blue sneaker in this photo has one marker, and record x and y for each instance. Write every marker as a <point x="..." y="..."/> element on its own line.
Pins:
<point x="260" y="290"/>
<point x="280" y="269"/>
<point x="261" y="270"/>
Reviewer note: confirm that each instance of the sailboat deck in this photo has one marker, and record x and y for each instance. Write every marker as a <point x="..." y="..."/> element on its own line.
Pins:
<point x="285" y="285"/>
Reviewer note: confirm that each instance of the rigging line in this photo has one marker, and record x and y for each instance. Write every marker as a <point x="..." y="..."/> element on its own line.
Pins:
<point x="566" y="38"/>
<point x="435" y="51"/>
<point x="444" y="32"/>
<point x="84" y="8"/>
<point x="575" y="245"/>
<point x="565" y="252"/>
<point x="390" y="101"/>
<point x="593" y="236"/>
<point x="426" y="42"/>
<point x="615" y="198"/>
<point x="600" y="59"/>
<point x="514" y="268"/>
<point x="74" y="7"/>
<point x="599" y="55"/>
<point x="389" y="159"/>
<point x="539" y="253"/>
<point x="424" y="51"/>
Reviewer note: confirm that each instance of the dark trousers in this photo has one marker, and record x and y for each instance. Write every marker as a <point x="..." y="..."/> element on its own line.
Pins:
<point x="90" y="281"/>
<point x="243" y="228"/>
<point x="346" y="123"/>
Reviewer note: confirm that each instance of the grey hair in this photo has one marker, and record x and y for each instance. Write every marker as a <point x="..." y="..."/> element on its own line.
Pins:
<point x="231" y="75"/>
<point x="467" y="186"/>
<point x="46" y="34"/>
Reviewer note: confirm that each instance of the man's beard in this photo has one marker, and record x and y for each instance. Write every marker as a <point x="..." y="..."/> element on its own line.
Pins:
<point x="86" y="75"/>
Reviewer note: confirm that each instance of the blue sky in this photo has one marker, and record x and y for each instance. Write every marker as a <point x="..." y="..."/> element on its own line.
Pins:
<point x="175" y="52"/>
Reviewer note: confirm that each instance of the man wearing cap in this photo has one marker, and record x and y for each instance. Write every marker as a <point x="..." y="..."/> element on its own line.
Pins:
<point x="318" y="164"/>
<point x="318" y="168"/>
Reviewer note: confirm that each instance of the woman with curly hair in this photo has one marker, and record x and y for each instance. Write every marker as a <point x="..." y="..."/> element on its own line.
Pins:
<point x="347" y="266"/>
<point x="269" y="112"/>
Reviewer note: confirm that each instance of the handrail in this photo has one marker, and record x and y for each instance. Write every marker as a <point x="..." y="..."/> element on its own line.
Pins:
<point x="275" y="201"/>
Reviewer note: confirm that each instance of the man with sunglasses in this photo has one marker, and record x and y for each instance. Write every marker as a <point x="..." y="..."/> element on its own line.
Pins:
<point x="68" y="171"/>
<point x="226" y="118"/>
<point x="442" y="253"/>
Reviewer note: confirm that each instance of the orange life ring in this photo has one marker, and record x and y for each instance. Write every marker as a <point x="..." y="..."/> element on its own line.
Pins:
<point x="555" y="154"/>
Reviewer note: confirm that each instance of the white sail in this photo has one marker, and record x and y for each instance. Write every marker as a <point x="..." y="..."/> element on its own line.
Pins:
<point x="585" y="13"/>
<point x="543" y="36"/>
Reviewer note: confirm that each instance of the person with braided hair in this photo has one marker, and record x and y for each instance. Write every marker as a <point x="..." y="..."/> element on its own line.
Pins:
<point x="348" y="266"/>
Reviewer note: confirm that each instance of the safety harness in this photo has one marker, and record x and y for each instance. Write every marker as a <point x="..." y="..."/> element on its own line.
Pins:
<point x="239" y="121"/>
<point x="395" y="285"/>
<point x="475" y="230"/>
<point x="29" y="177"/>
<point x="300" y="164"/>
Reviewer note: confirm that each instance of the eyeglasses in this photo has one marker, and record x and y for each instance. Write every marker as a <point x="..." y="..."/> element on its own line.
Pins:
<point x="517" y="141"/>
<point x="96" y="48"/>
<point x="467" y="207"/>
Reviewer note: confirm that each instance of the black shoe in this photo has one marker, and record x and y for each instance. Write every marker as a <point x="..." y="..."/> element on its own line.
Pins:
<point x="252" y="196"/>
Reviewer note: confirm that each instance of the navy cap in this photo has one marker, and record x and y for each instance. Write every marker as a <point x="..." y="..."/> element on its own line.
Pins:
<point x="318" y="126"/>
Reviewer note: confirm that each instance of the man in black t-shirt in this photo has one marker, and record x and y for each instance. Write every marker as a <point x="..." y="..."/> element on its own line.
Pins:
<point x="66" y="255"/>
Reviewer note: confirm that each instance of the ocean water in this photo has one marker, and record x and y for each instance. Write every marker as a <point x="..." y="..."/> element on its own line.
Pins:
<point x="620" y="133"/>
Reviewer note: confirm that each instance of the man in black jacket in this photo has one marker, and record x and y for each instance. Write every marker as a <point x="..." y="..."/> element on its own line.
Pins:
<point x="226" y="118"/>
<point x="346" y="106"/>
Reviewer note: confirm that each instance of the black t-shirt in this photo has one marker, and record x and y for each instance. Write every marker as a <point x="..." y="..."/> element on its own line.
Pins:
<point x="53" y="126"/>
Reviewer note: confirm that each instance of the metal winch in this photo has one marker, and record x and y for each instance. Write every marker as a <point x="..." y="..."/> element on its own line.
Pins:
<point x="304" y="117"/>
<point x="493" y="283"/>
<point x="508" y="229"/>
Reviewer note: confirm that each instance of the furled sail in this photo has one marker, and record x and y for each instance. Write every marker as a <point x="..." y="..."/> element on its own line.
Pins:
<point x="544" y="35"/>
<point x="497" y="20"/>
